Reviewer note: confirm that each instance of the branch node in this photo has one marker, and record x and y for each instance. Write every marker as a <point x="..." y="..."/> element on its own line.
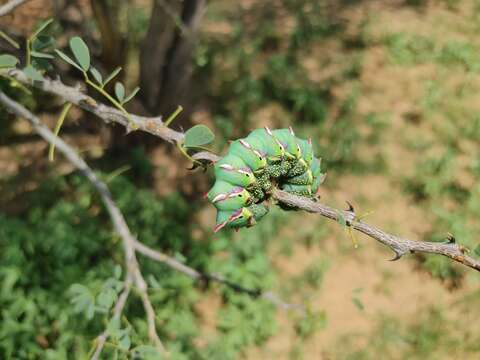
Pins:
<point x="450" y="239"/>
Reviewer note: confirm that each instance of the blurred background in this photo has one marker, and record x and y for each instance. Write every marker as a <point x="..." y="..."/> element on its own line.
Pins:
<point x="389" y="92"/>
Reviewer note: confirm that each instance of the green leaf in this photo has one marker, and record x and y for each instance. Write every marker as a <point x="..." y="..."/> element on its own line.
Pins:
<point x="32" y="73"/>
<point x="42" y="55"/>
<point x="132" y="94"/>
<point x="119" y="91"/>
<point x="66" y="58"/>
<point x="96" y="74"/>
<point x="124" y="342"/>
<point x="107" y="298"/>
<point x="81" y="52"/>
<point x="117" y="271"/>
<point x="112" y="75"/>
<point x="42" y="42"/>
<point x="145" y="351"/>
<point x="41" y="28"/>
<point x="198" y="135"/>
<point x="82" y="300"/>
<point x="8" y="61"/>
<point x="113" y="327"/>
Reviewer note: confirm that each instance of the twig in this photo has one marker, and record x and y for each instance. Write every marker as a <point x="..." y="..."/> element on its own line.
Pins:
<point x="152" y="125"/>
<point x="400" y="246"/>
<point x="199" y="276"/>
<point x="117" y="311"/>
<point x="116" y="216"/>
<point x="10" y="6"/>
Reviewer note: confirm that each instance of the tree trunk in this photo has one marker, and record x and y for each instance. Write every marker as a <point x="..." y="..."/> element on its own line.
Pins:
<point x="166" y="55"/>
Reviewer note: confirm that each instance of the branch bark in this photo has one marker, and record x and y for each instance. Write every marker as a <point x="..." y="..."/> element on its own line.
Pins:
<point x="10" y="6"/>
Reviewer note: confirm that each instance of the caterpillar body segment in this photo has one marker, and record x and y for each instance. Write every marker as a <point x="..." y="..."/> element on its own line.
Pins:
<point x="268" y="143"/>
<point x="289" y="141"/>
<point x="253" y="166"/>
<point x="233" y="170"/>
<point x="255" y="160"/>
<point x="303" y="179"/>
<point x="302" y="190"/>
<point x="243" y="217"/>
<point x="307" y="150"/>
<point x="226" y="196"/>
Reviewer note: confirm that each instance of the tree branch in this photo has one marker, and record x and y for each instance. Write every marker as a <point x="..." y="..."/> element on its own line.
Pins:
<point x="10" y="6"/>
<point x="152" y="125"/>
<point x="156" y="127"/>
<point x="200" y="276"/>
<point x="400" y="246"/>
<point x="117" y="312"/>
<point x="116" y="216"/>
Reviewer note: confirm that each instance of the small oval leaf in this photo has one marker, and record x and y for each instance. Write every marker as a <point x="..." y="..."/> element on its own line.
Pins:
<point x="41" y="55"/>
<point x="8" y="61"/>
<point x="67" y="59"/>
<point x="81" y="52"/>
<point x="132" y="94"/>
<point x="112" y="75"/>
<point x="96" y="74"/>
<point x="119" y="91"/>
<point x="41" y="28"/>
<point x="198" y="135"/>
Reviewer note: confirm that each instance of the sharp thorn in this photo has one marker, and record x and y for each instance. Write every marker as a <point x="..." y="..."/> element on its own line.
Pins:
<point x="451" y="239"/>
<point x="396" y="257"/>
<point x="350" y="207"/>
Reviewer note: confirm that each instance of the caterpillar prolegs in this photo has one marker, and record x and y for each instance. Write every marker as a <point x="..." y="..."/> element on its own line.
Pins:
<point x="251" y="168"/>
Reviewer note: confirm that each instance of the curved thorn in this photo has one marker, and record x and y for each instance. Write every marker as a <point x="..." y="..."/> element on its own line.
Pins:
<point x="350" y="207"/>
<point x="396" y="257"/>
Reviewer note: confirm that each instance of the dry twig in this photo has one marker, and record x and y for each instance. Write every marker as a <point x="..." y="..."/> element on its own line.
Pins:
<point x="10" y="6"/>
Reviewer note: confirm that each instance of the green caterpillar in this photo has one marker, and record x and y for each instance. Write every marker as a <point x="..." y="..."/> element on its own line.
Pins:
<point x="253" y="165"/>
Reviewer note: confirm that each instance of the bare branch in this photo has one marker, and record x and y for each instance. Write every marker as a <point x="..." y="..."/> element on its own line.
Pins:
<point x="152" y="125"/>
<point x="117" y="312"/>
<point x="400" y="246"/>
<point x="10" y="6"/>
<point x="116" y="216"/>
<point x="199" y="276"/>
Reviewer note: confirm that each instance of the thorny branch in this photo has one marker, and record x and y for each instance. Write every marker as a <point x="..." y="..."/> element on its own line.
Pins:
<point x="155" y="126"/>
<point x="10" y="6"/>
<point x="400" y="246"/>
